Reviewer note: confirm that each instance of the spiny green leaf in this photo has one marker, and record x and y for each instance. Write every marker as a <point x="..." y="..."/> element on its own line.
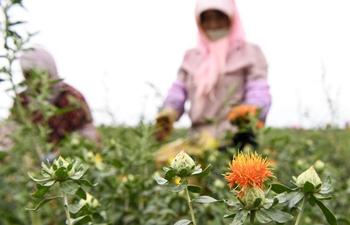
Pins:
<point x="41" y="190"/>
<point x="205" y="199"/>
<point x="293" y="199"/>
<point x="311" y="200"/>
<point x="194" y="188"/>
<point x="49" y="183"/>
<point x="326" y="186"/>
<point x="81" y="193"/>
<point x="69" y="187"/>
<point x="74" y="208"/>
<point x="37" y="179"/>
<point x="268" y="203"/>
<point x="233" y="205"/>
<point x="86" y="183"/>
<point x="43" y="202"/>
<point x="80" y="174"/>
<point x="328" y="214"/>
<point x="280" y="188"/>
<point x="281" y="198"/>
<point x="86" y="219"/>
<point x="240" y="217"/>
<point x="183" y="222"/>
<point x="278" y="215"/>
<point x="322" y="197"/>
<point x="262" y="216"/>
<point x="160" y="180"/>
<point x="202" y="173"/>
<point x="230" y="215"/>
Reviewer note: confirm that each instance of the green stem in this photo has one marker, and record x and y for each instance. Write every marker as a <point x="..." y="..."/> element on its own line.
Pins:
<point x="65" y="201"/>
<point x="10" y="56"/>
<point x="302" y="209"/>
<point x="252" y="217"/>
<point x="35" y="218"/>
<point x="190" y="206"/>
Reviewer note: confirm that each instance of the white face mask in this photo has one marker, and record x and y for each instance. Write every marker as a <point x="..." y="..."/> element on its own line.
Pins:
<point x="216" y="34"/>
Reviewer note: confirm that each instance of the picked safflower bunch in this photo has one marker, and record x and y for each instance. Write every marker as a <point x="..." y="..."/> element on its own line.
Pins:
<point x="247" y="119"/>
<point x="244" y="115"/>
<point x="247" y="177"/>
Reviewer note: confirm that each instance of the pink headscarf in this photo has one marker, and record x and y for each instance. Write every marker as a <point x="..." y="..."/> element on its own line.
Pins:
<point x="215" y="53"/>
<point x="37" y="57"/>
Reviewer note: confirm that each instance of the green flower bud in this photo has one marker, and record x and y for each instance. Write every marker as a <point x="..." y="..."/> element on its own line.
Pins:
<point x="89" y="157"/>
<point x="91" y="201"/>
<point x="310" y="176"/>
<point x="219" y="184"/>
<point x="112" y="143"/>
<point x="183" y="164"/>
<point x="319" y="165"/>
<point x="62" y="169"/>
<point x="252" y="198"/>
<point x="75" y="142"/>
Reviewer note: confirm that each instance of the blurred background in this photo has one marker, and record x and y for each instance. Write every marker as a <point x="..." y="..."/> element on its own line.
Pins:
<point x="124" y="55"/>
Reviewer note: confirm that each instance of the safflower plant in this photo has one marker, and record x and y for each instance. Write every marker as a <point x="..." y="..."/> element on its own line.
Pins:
<point x="309" y="188"/>
<point x="68" y="174"/>
<point x="176" y="180"/>
<point x="247" y="180"/>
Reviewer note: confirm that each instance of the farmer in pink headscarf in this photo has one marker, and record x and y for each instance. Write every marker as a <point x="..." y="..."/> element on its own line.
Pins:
<point x="63" y="96"/>
<point x="222" y="72"/>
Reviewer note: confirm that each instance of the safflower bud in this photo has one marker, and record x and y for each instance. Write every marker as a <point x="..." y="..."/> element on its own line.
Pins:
<point x="319" y="165"/>
<point x="183" y="164"/>
<point x="219" y="184"/>
<point x="62" y="164"/>
<point x="310" y="176"/>
<point x="75" y="142"/>
<point x="252" y="197"/>
<point x="90" y="200"/>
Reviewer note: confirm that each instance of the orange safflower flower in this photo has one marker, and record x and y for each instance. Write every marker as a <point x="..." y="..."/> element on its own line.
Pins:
<point x="260" y="124"/>
<point x="248" y="170"/>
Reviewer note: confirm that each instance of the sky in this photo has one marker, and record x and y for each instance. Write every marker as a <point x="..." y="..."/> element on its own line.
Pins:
<point x="124" y="55"/>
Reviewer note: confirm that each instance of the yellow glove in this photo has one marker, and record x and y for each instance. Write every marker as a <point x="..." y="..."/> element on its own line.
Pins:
<point x="164" y="124"/>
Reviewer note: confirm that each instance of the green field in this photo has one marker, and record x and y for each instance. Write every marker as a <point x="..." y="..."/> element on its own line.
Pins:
<point x="128" y="194"/>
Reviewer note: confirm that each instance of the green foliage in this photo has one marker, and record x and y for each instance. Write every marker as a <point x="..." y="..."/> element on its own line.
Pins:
<point x="128" y="194"/>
